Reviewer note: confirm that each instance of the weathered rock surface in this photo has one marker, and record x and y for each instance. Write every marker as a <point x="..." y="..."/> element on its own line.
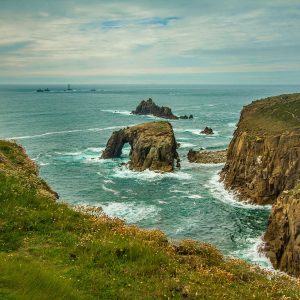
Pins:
<point x="207" y="157"/>
<point x="150" y="108"/>
<point x="207" y="130"/>
<point x="264" y="155"/>
<point x="263" y="165"/>
<point x="153" y="146"/>
<point x="283" y="234"/>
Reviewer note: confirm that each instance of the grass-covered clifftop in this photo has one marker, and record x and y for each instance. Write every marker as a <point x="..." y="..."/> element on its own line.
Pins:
<point x="50" y="251"/>
<point x="271" y="115"/>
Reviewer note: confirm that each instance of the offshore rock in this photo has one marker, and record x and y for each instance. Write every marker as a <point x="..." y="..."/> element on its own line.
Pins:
<point x="150" y="108"/>
<point x="207" y="157"/>
<point x="153" y="146"/>
<point x="207" y="130"/>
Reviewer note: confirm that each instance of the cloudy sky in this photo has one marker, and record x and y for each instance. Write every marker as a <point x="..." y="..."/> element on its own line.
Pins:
<point x="179" y="41"/>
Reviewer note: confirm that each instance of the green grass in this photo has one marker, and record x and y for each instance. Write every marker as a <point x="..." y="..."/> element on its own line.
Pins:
<point x="50" y="251"/>
<point x="272" y="115"/>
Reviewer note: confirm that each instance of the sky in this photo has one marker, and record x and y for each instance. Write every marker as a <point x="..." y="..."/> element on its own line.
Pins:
<point x="147" y="42"/>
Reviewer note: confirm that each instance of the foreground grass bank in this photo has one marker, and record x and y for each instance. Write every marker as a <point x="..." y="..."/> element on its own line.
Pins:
<point x="50" y="251"/>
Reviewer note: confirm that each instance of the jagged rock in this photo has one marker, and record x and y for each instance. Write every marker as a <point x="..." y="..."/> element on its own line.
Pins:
<point x="283" y="233"/>
<point x="153" y="146"/>
<point x="263" y="162"/>
<point x="207" y="130"/>
<point x="185" y="117"/>
<point x="150" y="108"/>
<point x="207" y="157"/>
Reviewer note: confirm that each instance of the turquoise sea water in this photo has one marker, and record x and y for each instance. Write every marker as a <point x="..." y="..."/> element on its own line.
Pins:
<point x="64" y="132"/>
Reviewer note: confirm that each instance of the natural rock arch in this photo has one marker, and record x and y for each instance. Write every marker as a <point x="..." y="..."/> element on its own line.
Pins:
<point x="153" y="146"/>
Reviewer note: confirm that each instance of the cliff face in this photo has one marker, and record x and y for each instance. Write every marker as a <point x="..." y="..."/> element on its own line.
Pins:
<point x="264" y="155"/>
<point x="153" y="146"/>
<point x="263" y="166"/>
<point x="207" y="157"/>
<point x="283" y="234"/>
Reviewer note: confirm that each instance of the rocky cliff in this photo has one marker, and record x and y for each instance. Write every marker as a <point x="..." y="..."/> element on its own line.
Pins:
<point x="264" y="155"/>
<point x="150" y="108"/>
<point x="153" y="146"/>
<point x="263" y="166"/>
<point x="283" y="233"/>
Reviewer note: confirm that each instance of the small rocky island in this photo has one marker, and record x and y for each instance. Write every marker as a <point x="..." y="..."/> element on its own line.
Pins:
<point x="207" y="130"/>
<point x="207" y="157"/>
<point x="263" y="166"/>
<point x="153" y="146"/>
<point x="148" y="107"/>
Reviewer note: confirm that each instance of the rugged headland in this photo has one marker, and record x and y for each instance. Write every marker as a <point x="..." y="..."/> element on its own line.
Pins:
<point x="148" y="107"/>
<point x="153" y="146"/>
<point x="49" y="250"/>
<point x="263" y="166"/>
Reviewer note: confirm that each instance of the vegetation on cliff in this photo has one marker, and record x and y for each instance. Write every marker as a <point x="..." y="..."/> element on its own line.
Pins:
<point x="50" y="251"/>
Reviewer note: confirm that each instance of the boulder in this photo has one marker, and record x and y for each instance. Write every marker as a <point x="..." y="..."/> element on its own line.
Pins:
<point x="207" y="157"/>
<point x="153" y="146"/>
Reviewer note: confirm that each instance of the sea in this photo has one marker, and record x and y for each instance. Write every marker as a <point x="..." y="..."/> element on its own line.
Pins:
<point x="64" y="132"/>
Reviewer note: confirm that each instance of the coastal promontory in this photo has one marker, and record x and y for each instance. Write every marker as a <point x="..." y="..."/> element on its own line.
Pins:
<point x="153" y="146"/>
<point x="263" y="166"/>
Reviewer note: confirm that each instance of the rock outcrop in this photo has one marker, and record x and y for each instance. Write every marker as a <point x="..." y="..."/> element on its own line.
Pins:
<point x="153" y="146"/>
<point x="207" y="130"/>
<point x="263" y="166"/>
<point x="207" y="157"/>
<point x="150" y="108"/>
<point x="283" y="233"/>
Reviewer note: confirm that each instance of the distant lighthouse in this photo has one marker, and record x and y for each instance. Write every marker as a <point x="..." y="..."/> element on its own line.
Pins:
<point x="69" y="88"/>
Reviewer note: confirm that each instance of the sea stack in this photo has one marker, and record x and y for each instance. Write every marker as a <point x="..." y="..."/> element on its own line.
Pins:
<point x="263" y="166"/>
<point x="153" y="146"/>
<point x="148" y="107"/>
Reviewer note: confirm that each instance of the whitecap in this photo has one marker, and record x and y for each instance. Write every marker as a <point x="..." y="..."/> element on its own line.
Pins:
<point x="105" y="188"/>
<point x="148" y="175"/>
<point x="121" y="112"/>
<point x="61" y="132"/>
<point x="42" y="164"/>
<point x="218" y="190"/>
<point x="254" y="254"/>
<point x="186" y="145"/>
<point x="231" y="124"/>
<point x="131" y="212"/>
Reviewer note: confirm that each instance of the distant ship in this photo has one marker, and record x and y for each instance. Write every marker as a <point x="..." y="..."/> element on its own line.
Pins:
<point x="93" y="90"/>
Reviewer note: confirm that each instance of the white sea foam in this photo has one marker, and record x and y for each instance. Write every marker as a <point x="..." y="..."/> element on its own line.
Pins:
<point x="131" y="212"/>
<point x="195" y="132"/>
<point x="147" y="175"/>
<point x="254" y="254"/>
<point x="231" y="124"/>
<point x="105" y="188"/>
<point x="42" y="164"/>
<point x="121" y="112"/>
<point x="61" y="132"/>
<point x="218" y="190"/>
<point x="186" y="145"/>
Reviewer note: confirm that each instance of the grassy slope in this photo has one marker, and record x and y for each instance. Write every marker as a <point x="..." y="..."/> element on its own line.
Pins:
<point x="272" y="115"/>
<point x="49" y="251"/>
